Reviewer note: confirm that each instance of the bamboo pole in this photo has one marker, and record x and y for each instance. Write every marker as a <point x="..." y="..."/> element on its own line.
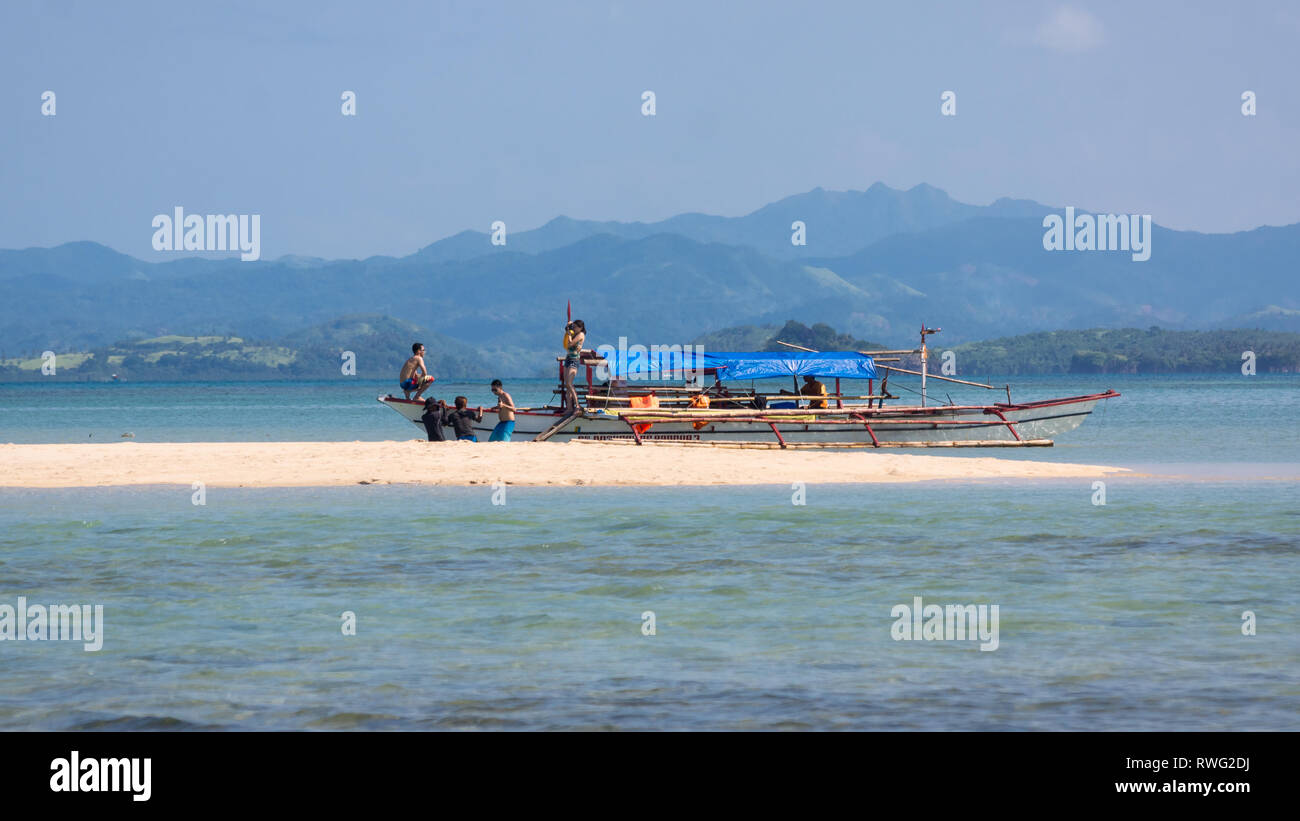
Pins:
<point x="795" y="420"/>
<point x="936" y="376"/>
<point x="723" y="413"/>
<point x="625" y="399"/>
<point x="970" y="443"/>
<point x="863" y="353"/>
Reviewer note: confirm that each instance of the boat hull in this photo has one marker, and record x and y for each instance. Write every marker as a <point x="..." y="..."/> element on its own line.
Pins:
<point x="931" y="425"/>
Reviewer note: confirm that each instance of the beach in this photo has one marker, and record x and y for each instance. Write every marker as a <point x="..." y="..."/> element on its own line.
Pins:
<point x="324" y="464"/>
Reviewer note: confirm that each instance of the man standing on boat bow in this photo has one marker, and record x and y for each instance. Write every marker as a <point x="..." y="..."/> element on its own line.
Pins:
<point x="414" y="376"/>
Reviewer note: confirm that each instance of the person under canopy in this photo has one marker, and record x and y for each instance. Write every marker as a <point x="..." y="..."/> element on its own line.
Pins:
<point x="811" y="387"/>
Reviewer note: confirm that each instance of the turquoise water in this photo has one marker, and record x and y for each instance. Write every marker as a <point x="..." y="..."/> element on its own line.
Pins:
<point x="768" y="615"/>
<point x="528" y="615"/>
<point x="1221" y="419"/>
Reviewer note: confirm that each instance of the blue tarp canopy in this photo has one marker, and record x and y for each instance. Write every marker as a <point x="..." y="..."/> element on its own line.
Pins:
<point x="667" y="363"/>
<point x="673" y="363"/>
<point x="762" y="365"/>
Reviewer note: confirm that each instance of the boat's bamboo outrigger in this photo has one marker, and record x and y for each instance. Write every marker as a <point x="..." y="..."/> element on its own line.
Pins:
<point x="660" y="398"/>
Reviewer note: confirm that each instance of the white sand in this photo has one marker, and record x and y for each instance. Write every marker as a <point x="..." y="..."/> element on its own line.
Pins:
<point x="298" y="464"/>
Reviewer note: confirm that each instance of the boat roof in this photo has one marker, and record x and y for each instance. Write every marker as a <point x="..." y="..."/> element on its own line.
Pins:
<point x="663" y="363"/>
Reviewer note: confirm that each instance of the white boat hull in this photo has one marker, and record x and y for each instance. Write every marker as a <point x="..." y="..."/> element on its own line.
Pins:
<point x="932" y="425"/>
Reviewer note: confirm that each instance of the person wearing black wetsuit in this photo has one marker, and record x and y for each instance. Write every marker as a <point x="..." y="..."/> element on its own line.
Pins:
<point x="434" y="417"/>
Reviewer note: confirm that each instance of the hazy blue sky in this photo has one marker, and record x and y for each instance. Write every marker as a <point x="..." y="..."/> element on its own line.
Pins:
<point x="473" y="112"/>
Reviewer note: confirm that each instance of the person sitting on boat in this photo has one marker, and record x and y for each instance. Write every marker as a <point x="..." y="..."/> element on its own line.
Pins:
<point x="505" y="414"/>
<point x="434" y="417"/>
<point x="462" y="418"/>
<point x="575" y="333"/>
<point x="414" y="375"/>
<point x="811" y="387"/>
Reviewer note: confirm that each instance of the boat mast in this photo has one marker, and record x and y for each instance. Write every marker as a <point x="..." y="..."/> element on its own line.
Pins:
<point x="925" y="357"/>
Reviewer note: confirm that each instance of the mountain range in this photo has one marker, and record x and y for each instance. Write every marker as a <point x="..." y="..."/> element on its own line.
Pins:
<point x="876" y="264"/>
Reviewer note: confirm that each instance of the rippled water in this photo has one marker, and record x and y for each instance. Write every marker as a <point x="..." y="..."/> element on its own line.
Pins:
<point x="768" y="614"/>
<point x="528" y="615"/>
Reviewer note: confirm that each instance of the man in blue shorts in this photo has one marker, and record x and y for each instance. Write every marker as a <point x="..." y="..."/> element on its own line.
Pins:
<point x="414" y="376"/>
<point x="505" y="414"/>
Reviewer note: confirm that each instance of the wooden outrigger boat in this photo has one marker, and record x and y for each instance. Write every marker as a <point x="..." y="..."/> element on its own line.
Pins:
<point x="685" y="397"/>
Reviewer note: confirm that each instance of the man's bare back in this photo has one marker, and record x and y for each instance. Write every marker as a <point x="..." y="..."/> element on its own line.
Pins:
<point x="413" y="366"/>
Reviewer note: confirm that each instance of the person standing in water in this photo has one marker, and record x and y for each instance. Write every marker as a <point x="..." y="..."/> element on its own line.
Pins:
<point x="505" y="414"/>
<point x="575" y="333"/>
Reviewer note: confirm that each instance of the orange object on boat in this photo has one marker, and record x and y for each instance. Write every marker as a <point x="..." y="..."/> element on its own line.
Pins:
<point x="650" y="401"/>
<point x="699" y="400"/>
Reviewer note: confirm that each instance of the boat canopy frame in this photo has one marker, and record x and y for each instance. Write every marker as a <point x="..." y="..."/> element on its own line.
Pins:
<point x="649" y="365"/>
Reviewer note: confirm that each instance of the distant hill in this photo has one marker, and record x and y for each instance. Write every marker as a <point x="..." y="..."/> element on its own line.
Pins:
<point x="739" y="338"/>
<point x="1271" y="318"/>
<point x="1097" y="350"/>
<point x="89" y="263"/>
<point x="381" y="344"/>
<point x="378" y="344"/>
<point x="818" y="337"/>
<point x="837" y="223"/>
<point x="1128" y="350"/>
<point x="878" y="263"/>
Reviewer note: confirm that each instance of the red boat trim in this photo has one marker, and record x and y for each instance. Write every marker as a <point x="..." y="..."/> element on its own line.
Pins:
<point x="1047" y="403"/>
<point x="1010" y="426"/>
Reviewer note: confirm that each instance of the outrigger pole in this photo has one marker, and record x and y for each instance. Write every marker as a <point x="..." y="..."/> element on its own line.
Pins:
<point x="936" y="376"/>
<point x="923" y="373"/>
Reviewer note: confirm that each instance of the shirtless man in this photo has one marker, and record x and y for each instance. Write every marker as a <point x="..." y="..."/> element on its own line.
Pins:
<point x="505" y="414"/>
<point x="414" y="375"/>
<point x="814" y="388"/>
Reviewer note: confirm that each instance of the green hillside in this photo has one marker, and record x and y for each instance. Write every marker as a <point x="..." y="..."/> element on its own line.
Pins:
<point x="877" y="264"/>
<point x="818" y="337"/>
<point x="378" y="345"/>
<point x="1129" y="350"/>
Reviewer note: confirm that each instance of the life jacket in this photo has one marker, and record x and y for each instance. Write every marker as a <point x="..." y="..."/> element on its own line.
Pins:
<point x="699" y="400"/>
<point x="650" y="401"/>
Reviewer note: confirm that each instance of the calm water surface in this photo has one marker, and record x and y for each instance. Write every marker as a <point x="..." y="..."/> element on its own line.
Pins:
<point x="768" y="615"/>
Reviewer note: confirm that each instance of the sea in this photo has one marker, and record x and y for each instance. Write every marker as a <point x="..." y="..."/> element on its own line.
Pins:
<point x="1166" y="598"/>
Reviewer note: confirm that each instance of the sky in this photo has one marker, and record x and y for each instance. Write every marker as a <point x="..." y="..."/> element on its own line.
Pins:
<point x="469" y="113"/>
